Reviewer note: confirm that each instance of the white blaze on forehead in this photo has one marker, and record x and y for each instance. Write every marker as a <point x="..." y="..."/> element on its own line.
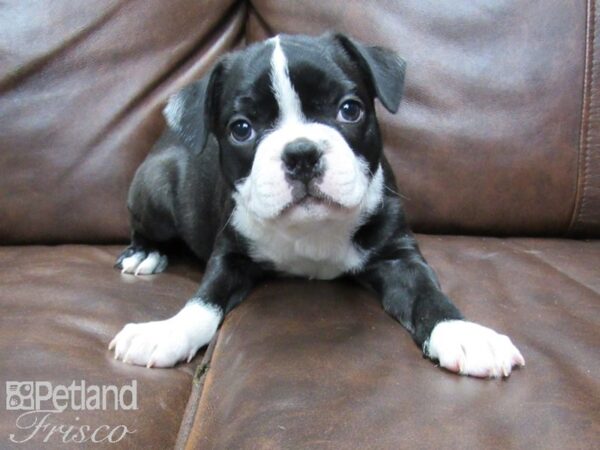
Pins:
<point x="290" y="108"/>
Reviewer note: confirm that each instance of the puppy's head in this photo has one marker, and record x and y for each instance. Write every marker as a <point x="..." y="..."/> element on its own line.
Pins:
<point x="295" y="120"/>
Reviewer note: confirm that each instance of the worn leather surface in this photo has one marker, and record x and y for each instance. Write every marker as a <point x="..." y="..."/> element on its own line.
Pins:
<point x="496" y="135"/>
<point x="317" y="364"/>
<point x="487" y="139"/>
<point x="81" y="89"/>
<point x="61" y="306"/>
<point x="320" y="365"/>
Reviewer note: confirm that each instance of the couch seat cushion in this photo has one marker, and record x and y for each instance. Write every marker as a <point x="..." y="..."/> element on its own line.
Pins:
<point x="320" y="365"/>
<point x="61" y="307"/>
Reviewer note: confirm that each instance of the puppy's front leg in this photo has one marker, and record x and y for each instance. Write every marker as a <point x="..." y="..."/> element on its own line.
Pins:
<point x="227" y="280"/>
<point x="410" y="292"/>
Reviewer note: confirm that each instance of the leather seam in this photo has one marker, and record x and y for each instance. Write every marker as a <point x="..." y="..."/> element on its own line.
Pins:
<point x="191" y="409"/>
<point x="584" y="137"/>
<point x="261" y="20"/>
<point x="591" y="108"/>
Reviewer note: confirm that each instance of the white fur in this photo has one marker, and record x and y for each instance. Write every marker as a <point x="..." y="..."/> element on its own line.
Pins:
<point x="173" y="111"/>
<point x="319" y="248"/>
<point x="287" y="98"/>
<point x="471" y="349"/>
<point x="312" y="239"/>
<point x="163" y="343"/>
<point x="141" y="264"/>
<point x="266" y="191"/>
<point x="129" y="264"/>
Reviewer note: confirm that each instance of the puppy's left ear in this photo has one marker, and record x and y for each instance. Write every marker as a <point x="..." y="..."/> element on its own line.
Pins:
<point x="384" y="68"/>
<point x="190" y="113"/>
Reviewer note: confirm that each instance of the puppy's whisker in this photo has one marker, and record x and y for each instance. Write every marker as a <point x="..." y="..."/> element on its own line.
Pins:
<point x="226" y="223"/>
<point x="390" y="189"/>
<point x="397" y="193"/>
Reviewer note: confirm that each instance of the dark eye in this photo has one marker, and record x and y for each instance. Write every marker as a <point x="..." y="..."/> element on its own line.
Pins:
<point x="351" y="111"/>
<point x="241" y="131"/>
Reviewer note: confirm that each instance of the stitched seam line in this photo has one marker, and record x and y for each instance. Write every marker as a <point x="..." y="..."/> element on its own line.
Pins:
<point x="191" y="409"/>
<point x="584" y="138"/>
<point x="591" y="112"/>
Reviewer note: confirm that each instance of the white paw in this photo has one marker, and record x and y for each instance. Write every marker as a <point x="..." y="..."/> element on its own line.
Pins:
<point x="166" y="342"/>
<point x="141" y="263"/>
<point x="471" y="349"/>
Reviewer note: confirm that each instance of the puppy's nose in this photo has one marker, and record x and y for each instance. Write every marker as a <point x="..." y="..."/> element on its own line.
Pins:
<point x="302" y="160"/>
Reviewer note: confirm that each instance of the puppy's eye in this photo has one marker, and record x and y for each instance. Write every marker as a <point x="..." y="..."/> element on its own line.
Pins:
<point x="351" y="111"/>
<point x="241" y="131"/>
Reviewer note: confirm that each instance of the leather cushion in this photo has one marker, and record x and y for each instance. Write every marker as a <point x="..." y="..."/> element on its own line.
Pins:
<point x="319" y="364"/>
<point x="61" y="306"/>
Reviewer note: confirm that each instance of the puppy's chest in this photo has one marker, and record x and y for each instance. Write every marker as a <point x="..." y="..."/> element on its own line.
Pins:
<point x="318" y="252"/>
<point x="320" y="257"/>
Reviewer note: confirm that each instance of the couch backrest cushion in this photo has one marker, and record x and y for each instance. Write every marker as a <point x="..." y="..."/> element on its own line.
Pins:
<point x="498" y="132"/>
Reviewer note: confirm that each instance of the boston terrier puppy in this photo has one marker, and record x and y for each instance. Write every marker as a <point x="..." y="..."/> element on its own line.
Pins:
<point x="271" y="165"/>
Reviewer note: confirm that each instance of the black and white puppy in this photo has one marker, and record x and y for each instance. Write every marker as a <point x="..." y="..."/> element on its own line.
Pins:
<point x="272" y="164"/>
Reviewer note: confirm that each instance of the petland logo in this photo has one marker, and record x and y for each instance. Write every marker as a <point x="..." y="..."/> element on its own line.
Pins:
<point x="43" y="403"/>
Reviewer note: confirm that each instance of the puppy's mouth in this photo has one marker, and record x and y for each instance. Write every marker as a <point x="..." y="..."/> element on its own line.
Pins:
<point x="310" y="195"/>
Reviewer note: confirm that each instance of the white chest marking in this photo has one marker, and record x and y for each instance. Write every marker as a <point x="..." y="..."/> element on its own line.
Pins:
<point x="321" y="250"/>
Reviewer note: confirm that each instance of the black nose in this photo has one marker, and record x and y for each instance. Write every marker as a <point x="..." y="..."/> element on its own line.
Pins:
<point x="302" y="160"/>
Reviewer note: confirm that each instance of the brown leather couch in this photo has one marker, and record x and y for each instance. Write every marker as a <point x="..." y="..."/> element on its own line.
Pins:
<point x="497" y="152"/>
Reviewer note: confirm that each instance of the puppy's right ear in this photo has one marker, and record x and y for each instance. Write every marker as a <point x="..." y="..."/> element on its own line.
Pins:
<point x="190" y="113"/>
<point x="383" y="67"/>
